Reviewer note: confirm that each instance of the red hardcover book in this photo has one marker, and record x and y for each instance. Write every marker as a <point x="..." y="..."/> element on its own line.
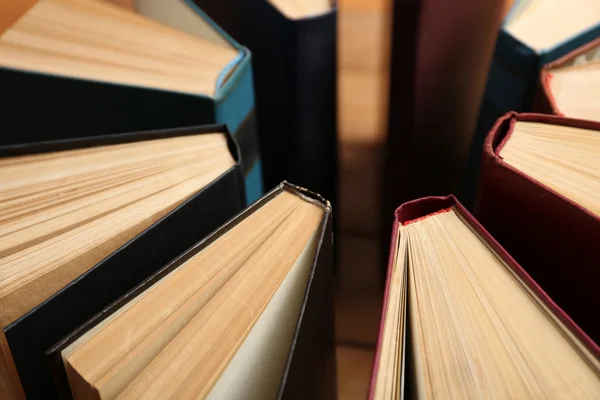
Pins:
<point x="569" y="85"/>
<point x="461" y="319"/>
<point x="536" y="196"/>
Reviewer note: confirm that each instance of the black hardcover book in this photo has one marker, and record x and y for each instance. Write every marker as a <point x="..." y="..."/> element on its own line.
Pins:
<point x="29" y="336"/>
<point x="294" y="66"/>
<point x="299" y="343"/>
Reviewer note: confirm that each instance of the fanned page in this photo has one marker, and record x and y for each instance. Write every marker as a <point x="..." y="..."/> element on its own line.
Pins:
<point x="563" y="158"/>
<point x="476" y="329"/>
<point x="199" y="326"/>
<point x="299" y="9"/>
<point x="89" y="39"/>
<point x="63" y="212"/>
<point x="574" y="88"/>
<point x="544" y="24"/>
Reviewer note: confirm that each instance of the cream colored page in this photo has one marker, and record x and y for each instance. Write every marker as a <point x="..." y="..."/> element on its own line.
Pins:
<point x="543" y="24"/>
<point x="576" y="90"/>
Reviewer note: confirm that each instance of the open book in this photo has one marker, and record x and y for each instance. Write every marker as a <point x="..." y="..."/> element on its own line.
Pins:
<point x="69" y="206"/>
<point x="462" y="320"/>
<point x="73" y="68"/>
<point x="570" y="85"/>
<point x="245" y="314"/>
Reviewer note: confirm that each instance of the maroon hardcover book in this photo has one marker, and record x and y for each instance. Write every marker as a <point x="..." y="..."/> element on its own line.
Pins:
<point x="545" y="101"/>
<point x="441" y="53"/>
<point x="422" y="208"/>
<point x="553" y="238"/>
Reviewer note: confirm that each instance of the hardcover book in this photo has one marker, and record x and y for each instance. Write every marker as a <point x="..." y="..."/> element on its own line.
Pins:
<point x="72" y="68"/>
<point x="84" y="220"/>
<point x="245" y="314"/>
<point x="441" y="52"/>
<point x="538" y="196"/>
<point x="570" y="85"/>
<point x="535" y="33"/>
<point x="462" y="320"/>
<point x="293" y="45"/>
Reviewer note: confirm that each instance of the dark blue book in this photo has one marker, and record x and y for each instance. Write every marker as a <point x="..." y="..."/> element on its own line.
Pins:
<point x="78" y="69"/>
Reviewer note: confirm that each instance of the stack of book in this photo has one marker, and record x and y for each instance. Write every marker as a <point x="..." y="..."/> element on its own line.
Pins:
<point x="136" y="233"/>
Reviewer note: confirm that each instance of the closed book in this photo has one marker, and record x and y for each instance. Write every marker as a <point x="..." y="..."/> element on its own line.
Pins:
<point x="85" y="220"/>
<point x="117" y="72"/>
<point x="293" y="47"/>
<point x="462" y="319"/>
<point x="252" y="304"/>
<point x="569" y="85"/>
<point x="440" y="57"/>
<point x="537" y="196"/>
<point x="441" y="52"/>
<point x="533" y="34"/>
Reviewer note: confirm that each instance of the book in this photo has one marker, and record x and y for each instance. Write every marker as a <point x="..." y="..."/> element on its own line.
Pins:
<point x="537" y="196"/>
<point x="84" y="220"/>
<point x="569" y="85"/>
<point x="461" y="319"/>
<point x="534" y="33"/>
<point x="440" y="55"/>
<point x="251" y="307"/>
<point x="108" y="70"/>
<point x="293" y="45"/>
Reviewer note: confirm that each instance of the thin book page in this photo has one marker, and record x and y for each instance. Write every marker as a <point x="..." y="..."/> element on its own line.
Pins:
<point x="575" y="90"/>
<point x="102" y="42"/>
<point x="563" y="158"/>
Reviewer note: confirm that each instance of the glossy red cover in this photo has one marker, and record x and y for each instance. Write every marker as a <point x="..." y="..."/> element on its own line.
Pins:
<point x="426" y="206"/>
<point x="545" y="102"/>
<point x="554" y="239"/>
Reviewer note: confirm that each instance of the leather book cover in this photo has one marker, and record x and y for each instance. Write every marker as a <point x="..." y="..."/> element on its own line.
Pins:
<point x="31" y="335"/>
<point x="429" y="205"/>
<point x="295" y="79"/>
<point x="554" y="239"/>
<point x="544" y="102"/>
<point x="40" y="107"/>
<point x="441" y="52"/>
<point x="310" y="370"/>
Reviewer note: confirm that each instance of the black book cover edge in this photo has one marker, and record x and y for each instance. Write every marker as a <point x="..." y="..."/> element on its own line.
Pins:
<point x="317" y="306"/>
<point x="32" y="327"/>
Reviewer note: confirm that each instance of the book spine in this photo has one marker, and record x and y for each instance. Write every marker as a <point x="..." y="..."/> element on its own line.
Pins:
<point x="312" y="159"/>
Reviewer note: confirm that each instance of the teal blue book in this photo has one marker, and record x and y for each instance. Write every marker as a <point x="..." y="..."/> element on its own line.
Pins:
<point x="118" y="71"/>
<point x="534" y="33"/>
